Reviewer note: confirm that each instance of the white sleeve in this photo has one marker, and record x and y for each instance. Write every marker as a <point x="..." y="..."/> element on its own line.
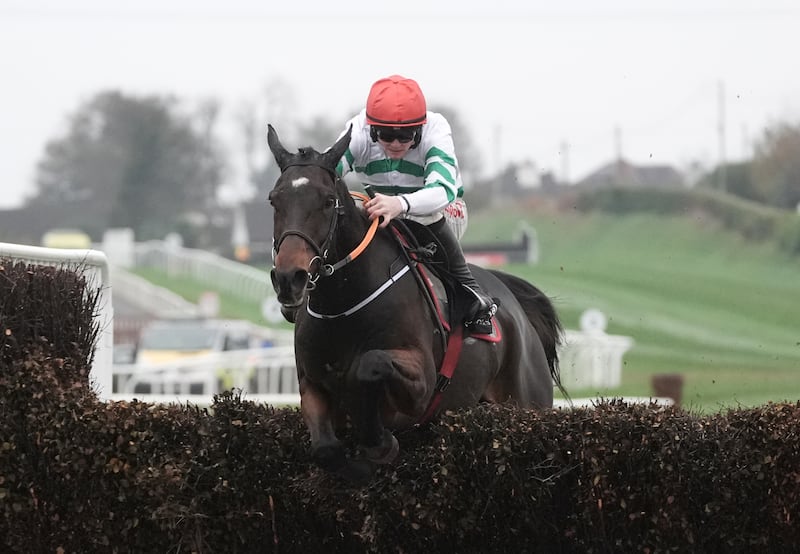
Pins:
<point x="427" y="201"/>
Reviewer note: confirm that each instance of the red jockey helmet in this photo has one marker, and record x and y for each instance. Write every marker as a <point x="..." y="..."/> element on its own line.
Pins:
<point x="396" y="101"/>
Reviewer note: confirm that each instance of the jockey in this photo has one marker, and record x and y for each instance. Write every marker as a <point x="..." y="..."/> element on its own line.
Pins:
<point x="406" y="155"/>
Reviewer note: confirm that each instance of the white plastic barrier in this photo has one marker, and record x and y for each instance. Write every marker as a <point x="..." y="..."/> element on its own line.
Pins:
<point x="95" y="267"/>
<point x="205" y="267"/>
<point x="590" y="357"/>
<point x="140" y="292"/>
<point x="259" y="373"/>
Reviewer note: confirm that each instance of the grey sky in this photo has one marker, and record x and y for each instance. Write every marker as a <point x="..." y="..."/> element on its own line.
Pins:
<point x="526" y="79"/>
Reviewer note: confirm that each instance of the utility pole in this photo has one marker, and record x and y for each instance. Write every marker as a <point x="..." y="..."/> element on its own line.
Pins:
<point x="564" y="162"/>
<point x="723" y="177"/>
<point x="747" y="153"/>
<point x="618" y="148"/>
<point x="498" y="137"/>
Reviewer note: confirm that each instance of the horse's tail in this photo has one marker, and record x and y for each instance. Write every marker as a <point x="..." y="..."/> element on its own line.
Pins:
<point x="542" y="315"/>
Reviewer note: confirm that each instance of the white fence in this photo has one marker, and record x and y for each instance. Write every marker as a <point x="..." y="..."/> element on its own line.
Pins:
<point x="266" y="374"/>
<point x="205" y="267"/>
<point x="95" y="266"/>
<point x="150" y="298"/>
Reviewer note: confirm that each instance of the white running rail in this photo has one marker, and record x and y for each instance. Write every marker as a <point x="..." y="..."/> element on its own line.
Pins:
<point x="206" y="267"/>
<point x="267" y="374"/>
<point x="149" y="297"/>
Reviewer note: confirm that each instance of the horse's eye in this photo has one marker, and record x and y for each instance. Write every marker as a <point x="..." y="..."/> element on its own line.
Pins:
<point x="330" y="202"/>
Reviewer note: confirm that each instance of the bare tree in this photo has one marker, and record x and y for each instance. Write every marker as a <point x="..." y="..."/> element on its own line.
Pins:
<point x="776" y="166"/>
<point x="134" y="161"/>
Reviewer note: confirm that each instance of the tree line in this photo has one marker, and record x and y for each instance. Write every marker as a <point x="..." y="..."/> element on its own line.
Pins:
<point x="156" y="164"/>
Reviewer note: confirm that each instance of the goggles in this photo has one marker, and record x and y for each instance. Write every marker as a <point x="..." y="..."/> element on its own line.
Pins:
<point x="403" y="135"/>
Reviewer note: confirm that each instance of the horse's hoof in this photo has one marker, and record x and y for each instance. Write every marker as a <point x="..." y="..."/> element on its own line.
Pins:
<point x="385" y="453"/>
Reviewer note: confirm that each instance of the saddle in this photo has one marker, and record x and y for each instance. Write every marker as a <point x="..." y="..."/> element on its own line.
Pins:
<point x="446" y="298"/>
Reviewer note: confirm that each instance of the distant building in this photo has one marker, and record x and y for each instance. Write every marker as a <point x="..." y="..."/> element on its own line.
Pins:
<point x="517" y="180"/>
<point x="621" y="173"/>
<point x="528" y="177"/>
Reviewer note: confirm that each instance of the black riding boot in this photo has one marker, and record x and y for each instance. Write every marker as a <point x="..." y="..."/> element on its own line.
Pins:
<point x="479" y="316"/>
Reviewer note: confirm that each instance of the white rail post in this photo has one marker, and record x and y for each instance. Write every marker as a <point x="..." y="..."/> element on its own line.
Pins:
<point x="590" y="357"/>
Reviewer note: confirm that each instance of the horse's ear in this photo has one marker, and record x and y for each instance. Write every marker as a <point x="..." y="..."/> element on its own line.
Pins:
<point x="278" y="151"/>
<point x="333" y="154"/>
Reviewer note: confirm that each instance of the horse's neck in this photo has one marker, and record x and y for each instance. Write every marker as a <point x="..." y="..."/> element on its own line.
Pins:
<point x="375" y="257"/>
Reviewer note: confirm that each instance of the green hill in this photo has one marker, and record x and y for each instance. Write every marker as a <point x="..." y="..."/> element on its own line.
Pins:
<point x="698" y="300"/>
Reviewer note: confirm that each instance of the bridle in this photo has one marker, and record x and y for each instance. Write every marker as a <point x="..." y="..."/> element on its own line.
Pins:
<point x="321" y="251"/>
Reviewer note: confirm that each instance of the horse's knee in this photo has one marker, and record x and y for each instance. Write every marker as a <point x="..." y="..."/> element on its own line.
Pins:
<point x="375" y="366"/>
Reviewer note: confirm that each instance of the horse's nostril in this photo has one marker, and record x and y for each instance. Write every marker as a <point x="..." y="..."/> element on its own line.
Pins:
<point x="290" y="283"/>
<point x="300" y="279"/>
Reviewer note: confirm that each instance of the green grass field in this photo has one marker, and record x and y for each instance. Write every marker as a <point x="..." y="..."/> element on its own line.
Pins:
<point x="698" y="301"/>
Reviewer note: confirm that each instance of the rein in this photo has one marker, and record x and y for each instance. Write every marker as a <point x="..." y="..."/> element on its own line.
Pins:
<point x="373" y="227"/>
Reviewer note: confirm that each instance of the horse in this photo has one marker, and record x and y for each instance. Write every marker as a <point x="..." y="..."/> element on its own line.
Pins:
<point x="368" y="348"/>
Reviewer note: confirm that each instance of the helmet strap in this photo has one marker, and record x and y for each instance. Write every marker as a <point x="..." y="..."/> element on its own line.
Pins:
<point x="417" y="137"/>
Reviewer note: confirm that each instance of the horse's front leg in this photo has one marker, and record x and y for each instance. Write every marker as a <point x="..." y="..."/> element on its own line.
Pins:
<point x="390" y="384"/>
<point x="318" y="415"/>
<point x="326" y="449"/>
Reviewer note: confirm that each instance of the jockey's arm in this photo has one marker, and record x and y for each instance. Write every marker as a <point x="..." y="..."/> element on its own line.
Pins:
<point x="425" y="201"/>
<point x="428" y="200"/>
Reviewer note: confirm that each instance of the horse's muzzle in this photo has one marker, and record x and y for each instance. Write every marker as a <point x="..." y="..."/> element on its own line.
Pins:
<point x="290" y="286"/>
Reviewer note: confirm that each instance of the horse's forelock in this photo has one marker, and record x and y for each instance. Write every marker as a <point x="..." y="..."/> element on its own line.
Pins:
<point x="307" y="153"/>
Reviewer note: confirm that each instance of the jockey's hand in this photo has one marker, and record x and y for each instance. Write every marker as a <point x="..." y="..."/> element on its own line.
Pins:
<point x="387" y="207"/>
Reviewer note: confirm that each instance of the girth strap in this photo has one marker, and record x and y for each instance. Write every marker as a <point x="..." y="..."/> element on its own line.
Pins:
<point x="449" y="363"/>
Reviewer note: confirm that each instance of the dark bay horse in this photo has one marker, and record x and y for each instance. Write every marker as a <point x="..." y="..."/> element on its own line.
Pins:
<point x="367" y="346"/>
